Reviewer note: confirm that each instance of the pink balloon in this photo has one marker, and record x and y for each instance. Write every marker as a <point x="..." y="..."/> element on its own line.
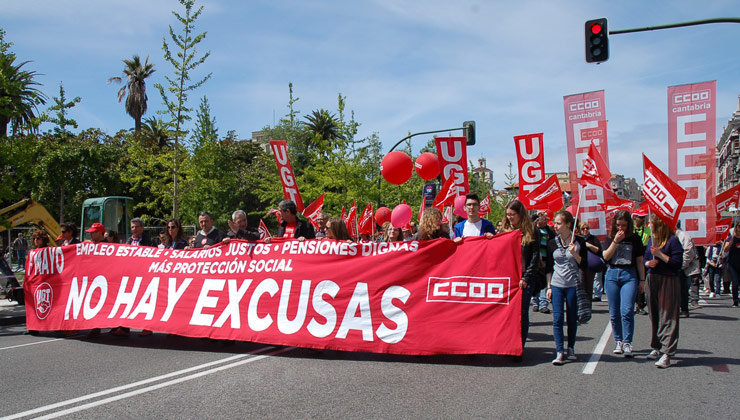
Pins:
<point x="401" y="215"/>
<point x="382" y="215"/>
<point x="460" y="207"/>
<point x="427" y="166"/>
<point x="396" y="167"/>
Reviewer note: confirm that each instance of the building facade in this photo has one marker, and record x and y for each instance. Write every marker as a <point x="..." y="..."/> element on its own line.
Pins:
<point x="728" y="153"/>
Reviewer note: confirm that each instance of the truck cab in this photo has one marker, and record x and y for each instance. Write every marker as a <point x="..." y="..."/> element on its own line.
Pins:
<point x="113" y="212"/>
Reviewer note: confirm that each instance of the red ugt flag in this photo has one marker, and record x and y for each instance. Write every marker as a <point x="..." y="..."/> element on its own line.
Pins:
<point x="446" y="195"/>
<point x="547" y="196"/>
<point x="366" y="224"/>
<point x="485" y="206"/>
<point x="264" y="233"/>
<point x="351" y="220"/>
<point x="276" y="212"/>
<point x="312" y="211"/>
<point x="595" y="169"/>
<point x="664" y="196"/>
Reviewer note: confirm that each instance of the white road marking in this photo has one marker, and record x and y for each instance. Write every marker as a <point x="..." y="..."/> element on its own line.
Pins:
<point x="143" y="382"/>
<point x="30" y="344"/>
<point x="598" y="351"/>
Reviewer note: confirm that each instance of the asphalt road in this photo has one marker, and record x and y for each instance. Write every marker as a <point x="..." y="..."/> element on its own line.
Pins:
<point x="164" y="377"/>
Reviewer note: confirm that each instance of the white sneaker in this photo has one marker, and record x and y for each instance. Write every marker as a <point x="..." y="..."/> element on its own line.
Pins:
<point x="559" y="359"/>
<point x="618" y="349"/>
<point x="711" y="294"/>
<point x="664" y="362"/>
<point x="571" y="354"/>
<point x="627" y="349"/>
<point x="654" y="355"/>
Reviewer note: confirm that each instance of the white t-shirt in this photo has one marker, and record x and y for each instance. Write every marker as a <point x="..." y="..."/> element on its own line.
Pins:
<point x="472" y="229"/>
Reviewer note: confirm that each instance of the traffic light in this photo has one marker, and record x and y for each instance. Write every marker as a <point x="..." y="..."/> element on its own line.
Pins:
<point x="597" y="41"/>
<point x="469" y="130"/>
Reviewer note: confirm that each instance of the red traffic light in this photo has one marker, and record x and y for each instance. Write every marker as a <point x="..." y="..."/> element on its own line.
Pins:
<point x="596" y="28"/>
<point x="597" y="41"/>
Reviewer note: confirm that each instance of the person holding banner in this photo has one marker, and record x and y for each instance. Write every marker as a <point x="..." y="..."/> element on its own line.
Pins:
<point x="176" y="234"/>
<point x="292" y="226"/>
<point x="238" y="228"/>
<point x="663" y="257"/>
<point x="474" y="225"/>
<point x="567" y="259"/>
<point x="392" y="234"/>
<point x="624" y="278"/>
<point x="516" y="218"/>
<point x="431" y="226"/>
<point x="732" y="249"/>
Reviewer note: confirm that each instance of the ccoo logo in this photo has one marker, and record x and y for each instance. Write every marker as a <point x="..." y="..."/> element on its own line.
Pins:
<point x="43" y="297"/>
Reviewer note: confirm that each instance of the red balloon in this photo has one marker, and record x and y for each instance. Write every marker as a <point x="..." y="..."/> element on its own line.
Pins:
<point x="382" y="215"/>
<point x="396" y="167"/>
<point x="427" y="166"/>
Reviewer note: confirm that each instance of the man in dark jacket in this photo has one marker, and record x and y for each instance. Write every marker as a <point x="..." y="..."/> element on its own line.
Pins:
<point x="238" y="228"/>
<point x="208" y="235"/>
<point x="138" y="236"/>
<point x="292" y="226"/>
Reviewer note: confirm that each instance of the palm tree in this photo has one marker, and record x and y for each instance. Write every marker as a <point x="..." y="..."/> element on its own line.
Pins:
<point x="323" y="124"/>
<point x="155" y="133"/>
<point x="135" y="74"/>
<point x="18" y="95"/>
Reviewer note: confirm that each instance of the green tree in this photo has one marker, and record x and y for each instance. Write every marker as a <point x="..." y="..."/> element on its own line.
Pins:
<point x="19" y="96"/>
<point x="59" y="118"/>
<point x="154" y="133"/>
<point x="184" y="61"/>
<point x="134" y="74"/>
<point x="205" y="124"/>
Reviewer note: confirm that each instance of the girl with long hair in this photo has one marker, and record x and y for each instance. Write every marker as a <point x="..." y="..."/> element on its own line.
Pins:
<point x="516" y="218"/>
<point x="431" y="226"/>
<point x="663" y="258"/>
<point x="625" y="276"/>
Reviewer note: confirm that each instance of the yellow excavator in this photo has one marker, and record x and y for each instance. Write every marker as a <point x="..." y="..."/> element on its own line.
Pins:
<point x="29" y="212"/>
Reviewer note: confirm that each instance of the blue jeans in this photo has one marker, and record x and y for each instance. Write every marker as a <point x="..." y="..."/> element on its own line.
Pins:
<point x="621" y="289"/>
<point x="715" y="280"/>
<point x="540" y="299"/>
<point x="568" y="297"/>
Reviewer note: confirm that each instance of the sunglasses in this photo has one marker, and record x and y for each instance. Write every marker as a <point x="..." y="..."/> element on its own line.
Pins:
<point x="171" y="227"/>
<point x="65" y="230"/>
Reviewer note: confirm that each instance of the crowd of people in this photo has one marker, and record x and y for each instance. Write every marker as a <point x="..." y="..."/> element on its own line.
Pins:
<point x="643" y="268"/>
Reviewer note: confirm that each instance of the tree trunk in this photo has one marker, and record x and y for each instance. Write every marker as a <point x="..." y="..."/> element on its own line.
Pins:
<point x="137" y="125"/>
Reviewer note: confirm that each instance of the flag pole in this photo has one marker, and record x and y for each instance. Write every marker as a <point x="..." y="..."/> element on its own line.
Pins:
<point x="573" y="234"/>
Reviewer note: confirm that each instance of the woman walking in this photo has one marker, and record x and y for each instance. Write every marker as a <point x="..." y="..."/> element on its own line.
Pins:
<point x="625" y="276"/>
<point x="567" y="258"/>
<point x="663" y="258"/>
<point x="732" y="249"/>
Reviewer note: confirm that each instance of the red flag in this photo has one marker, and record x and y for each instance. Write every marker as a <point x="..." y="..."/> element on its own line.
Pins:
<point x="447" y="215"/>
<point x="421" y="208"/>
<point x="264" y="233"/>
<point x="344" y="214"/>
<point x="547" y="196"/>
<point x="642" y="210"/>
<point x="531" y="161"/>
<point x="723" y="228"/>
<point x="595" y="170"/>
<point x="728" y="198"/>
<point x="366" y="224"/>
<point x="276" y="212"/>
<point x="312" y="211"/>
<point x="453" y="162"/>
<point x="610" y="210"/>
<point x="290" y="188"/>
<point x="611" y="198"/>
<point x="446" y="195"/>
<point x="664" y="196"/>
<point x="485" y="205"/>
<point x="351" y="220"/>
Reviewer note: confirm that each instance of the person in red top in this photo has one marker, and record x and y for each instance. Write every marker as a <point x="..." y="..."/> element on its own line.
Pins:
<point x="292" y="226"/>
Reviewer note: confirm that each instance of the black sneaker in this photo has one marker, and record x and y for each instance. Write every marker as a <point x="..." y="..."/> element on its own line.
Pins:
<point x="544" y="310"/>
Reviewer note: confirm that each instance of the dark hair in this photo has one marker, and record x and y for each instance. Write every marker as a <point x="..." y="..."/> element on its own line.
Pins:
<point x="71" y="226"/>
<point x="113" y="237"/>
<point x="289" y="206"/>
<point x="624" y="216"/>
<point x="472" y="196"/>
<point x="205" y="213"/>
<point x="180" y="234"/>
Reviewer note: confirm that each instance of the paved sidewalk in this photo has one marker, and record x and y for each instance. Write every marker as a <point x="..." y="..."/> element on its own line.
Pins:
<point x="11" y="313"/>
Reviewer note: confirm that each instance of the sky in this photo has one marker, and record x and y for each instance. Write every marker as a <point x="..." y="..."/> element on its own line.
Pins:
<point x="404" y="66"/>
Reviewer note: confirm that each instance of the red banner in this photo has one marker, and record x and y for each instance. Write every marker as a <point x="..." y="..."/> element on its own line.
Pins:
<point x="595" y="170"/>
<point x="453" y="162"/>
<point x="691" y="155"/>
<point x="728" y="198"/>
<point x="485" y="206"/>
<point x="290" y="188"/>
<point x="313" y="210"/>
<point x="446" y="195"/>
<point x="264" y="232"/>
<point x="530" y="156"/>
<point x="665" y="197"/>
<point x="441" y="297"/>
<point x="351" y="220"/>
<point x="585" y="122"/>
<point x="366" y="223"/>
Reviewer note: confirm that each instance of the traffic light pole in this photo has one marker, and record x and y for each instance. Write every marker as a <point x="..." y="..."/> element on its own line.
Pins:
<point x="423" y="132"/>
<point x="676" y="25"/>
